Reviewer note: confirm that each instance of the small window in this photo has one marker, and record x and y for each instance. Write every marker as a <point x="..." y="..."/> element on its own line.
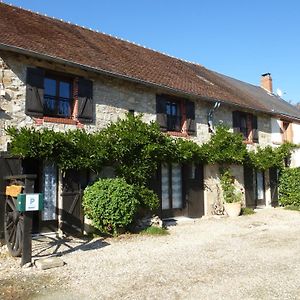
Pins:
<point x="58" y="98"/>
<point x="246" y="124"/>
<point x="173" y="116"/>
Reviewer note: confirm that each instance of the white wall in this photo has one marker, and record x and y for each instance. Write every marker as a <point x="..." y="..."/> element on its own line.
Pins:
<point x="296" y="133"/>
<point x="276" y="132"/>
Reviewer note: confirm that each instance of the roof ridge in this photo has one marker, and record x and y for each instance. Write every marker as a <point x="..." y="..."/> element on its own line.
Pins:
<point x="100" y="32"/>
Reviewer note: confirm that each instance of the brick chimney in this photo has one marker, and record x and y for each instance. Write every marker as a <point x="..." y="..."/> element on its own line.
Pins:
<point x="266" y="82"/>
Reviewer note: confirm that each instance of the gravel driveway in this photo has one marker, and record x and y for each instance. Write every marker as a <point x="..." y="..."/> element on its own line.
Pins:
<point x="249" y="257"/>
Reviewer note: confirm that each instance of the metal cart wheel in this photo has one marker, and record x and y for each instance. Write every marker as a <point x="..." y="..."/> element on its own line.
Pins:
<point x="13" y="227"/>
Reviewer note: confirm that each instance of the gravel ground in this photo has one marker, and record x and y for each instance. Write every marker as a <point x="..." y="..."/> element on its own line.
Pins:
<point x="249" y="257"/>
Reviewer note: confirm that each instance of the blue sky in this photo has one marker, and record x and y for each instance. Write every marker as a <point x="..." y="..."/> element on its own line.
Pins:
<point x="242" y="39"/>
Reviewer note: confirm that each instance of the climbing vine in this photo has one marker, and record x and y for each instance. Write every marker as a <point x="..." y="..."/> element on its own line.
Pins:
<point x="135" y="149"/>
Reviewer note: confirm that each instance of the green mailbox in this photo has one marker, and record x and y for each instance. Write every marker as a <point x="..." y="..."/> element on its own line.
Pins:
<point x="30" y="202"/>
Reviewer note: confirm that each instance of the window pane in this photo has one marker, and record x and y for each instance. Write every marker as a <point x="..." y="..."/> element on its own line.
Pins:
<point x="49" y="190"/>
<point x="64" y="108"/>
<point x="174" y="109"/>
<point x="168" y="108"/>
<point x="64" y="89"/>
<point x="176" y="186"/>
<point x="49" y="104"/>
<point x="50" y="86"/>
<point x="165" y="187"/>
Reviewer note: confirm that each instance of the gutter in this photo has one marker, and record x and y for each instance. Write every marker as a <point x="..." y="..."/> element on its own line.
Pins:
<point x="56" y="59"/>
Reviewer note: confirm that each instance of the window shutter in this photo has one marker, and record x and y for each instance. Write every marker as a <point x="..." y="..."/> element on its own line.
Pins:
<point x="34" y="92"/>
<point x="190" y="117"/>
<point x="85" y="100"/>
<point x="254" y="129"/>
<point x="161" y="115"/>
<point x="236" y="124"/>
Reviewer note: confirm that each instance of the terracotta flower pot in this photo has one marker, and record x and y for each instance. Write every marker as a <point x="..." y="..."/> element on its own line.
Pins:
<point x="233" y="209"/>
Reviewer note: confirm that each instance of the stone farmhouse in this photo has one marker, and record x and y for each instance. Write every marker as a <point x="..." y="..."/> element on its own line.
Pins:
<point x="58" y="75"/>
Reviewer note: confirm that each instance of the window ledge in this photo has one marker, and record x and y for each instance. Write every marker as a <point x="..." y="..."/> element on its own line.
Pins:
<point x="177" y="133"/>
<point x="40" y="121"/>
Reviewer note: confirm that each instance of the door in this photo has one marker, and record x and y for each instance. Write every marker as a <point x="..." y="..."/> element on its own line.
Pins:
<point x="48" y="217"/>
<point x="274" y="186"/>
<point x="194" y="190"/>
<point x="74" y="183"/>
<point x="250" y="184"/>
<point x="260" y="189"/>
<point x="172" y="200"/>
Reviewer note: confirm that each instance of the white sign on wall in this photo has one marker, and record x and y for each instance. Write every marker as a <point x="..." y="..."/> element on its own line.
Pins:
<point x="32" y="202"/>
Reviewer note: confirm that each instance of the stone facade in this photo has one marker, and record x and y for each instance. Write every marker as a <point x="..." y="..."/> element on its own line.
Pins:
<point x="112" y="98"/>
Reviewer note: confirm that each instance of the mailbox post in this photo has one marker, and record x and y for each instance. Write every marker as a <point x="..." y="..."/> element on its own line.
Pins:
<point x="28" y="203"/>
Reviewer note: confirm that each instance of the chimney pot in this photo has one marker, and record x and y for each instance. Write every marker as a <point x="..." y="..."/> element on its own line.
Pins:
<point x="266" y="82"/>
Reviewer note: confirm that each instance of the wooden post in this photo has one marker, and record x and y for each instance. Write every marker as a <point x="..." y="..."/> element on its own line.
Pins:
<point x="27" y="231"/>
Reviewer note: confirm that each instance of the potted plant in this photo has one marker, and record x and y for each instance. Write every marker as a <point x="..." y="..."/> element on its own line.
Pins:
<point x="231" y="195"/>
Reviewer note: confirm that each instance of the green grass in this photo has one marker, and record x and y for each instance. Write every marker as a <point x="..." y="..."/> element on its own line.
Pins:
<point x="292" y="207"/>
<point x="247" y="211"/>
<point x="154" y="231"/>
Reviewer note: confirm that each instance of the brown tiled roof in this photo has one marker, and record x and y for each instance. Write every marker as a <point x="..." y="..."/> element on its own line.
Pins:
<point x="50" y="37"/>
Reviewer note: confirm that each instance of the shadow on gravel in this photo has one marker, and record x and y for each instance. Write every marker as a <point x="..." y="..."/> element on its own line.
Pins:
<point x="56" y="246"/>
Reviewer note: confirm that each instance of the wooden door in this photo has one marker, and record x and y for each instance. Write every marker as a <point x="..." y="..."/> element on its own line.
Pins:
<point x="74" y="183"/>
<point x="249" y="183"/>
<point x="194" y="190"/>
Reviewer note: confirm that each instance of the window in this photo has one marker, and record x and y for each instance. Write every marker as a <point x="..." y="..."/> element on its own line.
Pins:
<point x="175" y="114"/>
<point x="58" y="97"/>
<point x="171" y="187"/>
<point x="246" y="124"/>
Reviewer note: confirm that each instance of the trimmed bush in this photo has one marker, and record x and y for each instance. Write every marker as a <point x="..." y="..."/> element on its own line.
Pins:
<point x="289" y="187"/>
<point x="111" y="204"/>
<point x="147" y="198"/>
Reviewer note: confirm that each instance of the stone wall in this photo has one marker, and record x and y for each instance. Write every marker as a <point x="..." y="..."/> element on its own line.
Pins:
<point x="113" y="98"/>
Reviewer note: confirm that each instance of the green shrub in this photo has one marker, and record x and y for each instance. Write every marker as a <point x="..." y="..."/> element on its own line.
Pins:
<point x="147" y="198"/>
<point x="111" y="204"/>
<point x="247" y="211"/>
<point x="289" y="187"/>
